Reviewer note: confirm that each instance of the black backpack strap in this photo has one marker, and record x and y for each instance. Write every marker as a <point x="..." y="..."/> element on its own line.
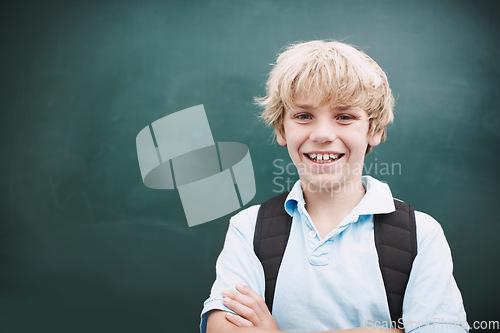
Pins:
<point x="271" y="236"/>
<point x="396" y="243"/>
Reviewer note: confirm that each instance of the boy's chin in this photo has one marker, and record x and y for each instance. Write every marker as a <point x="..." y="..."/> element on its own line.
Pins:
<point x="325" y="185"/>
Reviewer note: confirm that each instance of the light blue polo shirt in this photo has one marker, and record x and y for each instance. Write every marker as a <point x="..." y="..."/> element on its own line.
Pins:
<point x="335" y="282"/>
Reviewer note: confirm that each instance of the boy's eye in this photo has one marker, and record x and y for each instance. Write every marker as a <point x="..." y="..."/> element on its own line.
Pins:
<point x="303" y="116"/>
<point x="345" y="118"/>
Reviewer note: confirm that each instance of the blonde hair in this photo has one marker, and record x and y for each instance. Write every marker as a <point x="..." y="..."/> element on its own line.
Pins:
<point x="340" y="74"/>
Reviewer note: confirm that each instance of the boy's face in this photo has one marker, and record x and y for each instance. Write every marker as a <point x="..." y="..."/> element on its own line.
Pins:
<point x="327" y="145"/>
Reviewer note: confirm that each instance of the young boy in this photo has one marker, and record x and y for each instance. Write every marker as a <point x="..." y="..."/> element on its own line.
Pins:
<point x="329" y="105"/>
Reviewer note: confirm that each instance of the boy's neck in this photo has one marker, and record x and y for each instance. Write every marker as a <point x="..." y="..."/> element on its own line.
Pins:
<point x="328" y="207"/>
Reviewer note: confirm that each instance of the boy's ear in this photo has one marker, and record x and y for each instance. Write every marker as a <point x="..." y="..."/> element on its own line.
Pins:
<point x="281" y="140"/>
<point x="376" y="138"/>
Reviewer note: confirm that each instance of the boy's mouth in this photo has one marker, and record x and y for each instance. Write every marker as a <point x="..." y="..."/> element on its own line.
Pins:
<point x="324" y="157"/>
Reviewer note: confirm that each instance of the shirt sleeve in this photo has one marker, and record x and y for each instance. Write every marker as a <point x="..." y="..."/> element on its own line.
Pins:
<point x="237" y="263"/>
<point x="432" y="301"/>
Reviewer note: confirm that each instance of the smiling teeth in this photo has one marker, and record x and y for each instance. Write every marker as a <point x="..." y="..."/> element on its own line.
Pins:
<point x="324" y="158"/>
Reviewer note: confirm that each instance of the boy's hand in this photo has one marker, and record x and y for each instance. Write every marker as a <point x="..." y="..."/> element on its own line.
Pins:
<point x="250" y="307"/>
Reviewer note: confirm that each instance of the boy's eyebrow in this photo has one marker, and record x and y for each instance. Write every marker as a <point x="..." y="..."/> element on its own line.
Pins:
<point x="340" y="108"/>
<point x="304" y="106"/>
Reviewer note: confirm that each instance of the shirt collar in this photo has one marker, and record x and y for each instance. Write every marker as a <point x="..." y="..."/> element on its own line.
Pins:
<point x="294" y="199"/>
<point x="377" y="199"/>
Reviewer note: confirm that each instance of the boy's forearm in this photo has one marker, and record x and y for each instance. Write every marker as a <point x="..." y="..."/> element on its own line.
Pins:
<point x="217" y="323"/>
<point x="350" y="330"/>
<point x="236" y="329"/>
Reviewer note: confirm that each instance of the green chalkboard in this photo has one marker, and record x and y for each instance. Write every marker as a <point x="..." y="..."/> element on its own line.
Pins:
<point x="86" y="247"/>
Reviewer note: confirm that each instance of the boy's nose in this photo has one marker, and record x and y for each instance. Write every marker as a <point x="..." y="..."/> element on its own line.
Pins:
<point x="323" y="132"/>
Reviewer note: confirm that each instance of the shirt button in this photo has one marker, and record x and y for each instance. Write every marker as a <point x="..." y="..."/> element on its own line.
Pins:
<point x="312" y="233"/>
<point x="318" y="261"/>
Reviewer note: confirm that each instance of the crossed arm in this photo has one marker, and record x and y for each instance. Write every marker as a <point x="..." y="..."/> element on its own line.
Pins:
<point x="253" y="316"/>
